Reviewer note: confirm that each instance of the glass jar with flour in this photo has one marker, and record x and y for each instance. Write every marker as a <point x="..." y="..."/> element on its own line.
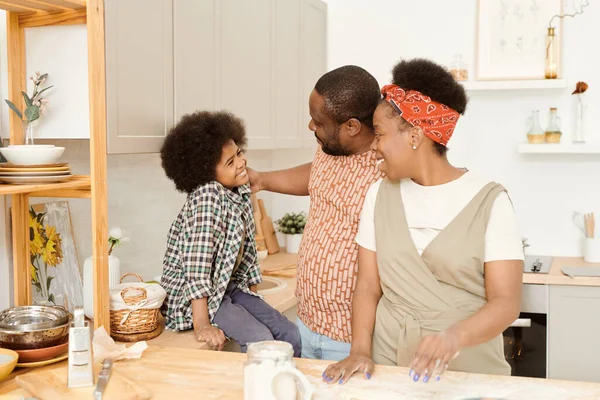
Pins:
<point x="270" y="373"/>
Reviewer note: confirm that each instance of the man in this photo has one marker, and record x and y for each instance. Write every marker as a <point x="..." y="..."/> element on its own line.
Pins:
<point x="341" y="109"/>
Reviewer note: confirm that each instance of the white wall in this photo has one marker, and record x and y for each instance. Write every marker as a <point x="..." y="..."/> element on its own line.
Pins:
<point x="545" y="188"/>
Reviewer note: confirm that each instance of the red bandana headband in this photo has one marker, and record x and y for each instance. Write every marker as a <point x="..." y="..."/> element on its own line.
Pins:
<point x="435" y="119"/>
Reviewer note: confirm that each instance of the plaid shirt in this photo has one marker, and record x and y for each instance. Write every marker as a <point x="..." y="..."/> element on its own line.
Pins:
<point x="202" y="247"/>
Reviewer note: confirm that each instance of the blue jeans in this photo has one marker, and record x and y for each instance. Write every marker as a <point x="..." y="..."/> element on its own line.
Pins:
<point x="321" y="347"/>
<point x="247" y="319"/>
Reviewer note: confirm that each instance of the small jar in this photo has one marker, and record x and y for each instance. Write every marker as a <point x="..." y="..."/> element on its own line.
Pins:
<point x="535" y="135"/>
<point x="458" y="68"/>
<point x="270" y="373"/>
<point x="553" y="132"/>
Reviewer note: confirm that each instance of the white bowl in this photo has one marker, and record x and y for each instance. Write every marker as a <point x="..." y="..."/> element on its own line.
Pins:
<point x="262" y="254"/>
<point x="31" y="146"/>
<point x="32" y="154"/>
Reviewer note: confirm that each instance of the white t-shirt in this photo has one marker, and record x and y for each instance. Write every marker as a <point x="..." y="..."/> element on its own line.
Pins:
<point x="429" y="209"/>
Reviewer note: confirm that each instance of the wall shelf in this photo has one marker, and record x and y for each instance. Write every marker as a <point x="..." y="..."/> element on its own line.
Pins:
<point x="566" y="148"/>
<point x="515" y="85"/>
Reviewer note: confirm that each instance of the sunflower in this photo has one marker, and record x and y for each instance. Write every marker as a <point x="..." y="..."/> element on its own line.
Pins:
<point x="36" y="241"/>
<point x="52" y="251"/>
<point x="33" y="271"/>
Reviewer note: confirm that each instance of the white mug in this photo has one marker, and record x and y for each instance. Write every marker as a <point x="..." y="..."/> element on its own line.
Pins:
<point x="591" y="250"/>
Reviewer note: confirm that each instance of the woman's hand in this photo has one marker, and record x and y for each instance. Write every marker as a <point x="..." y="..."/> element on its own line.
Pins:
<point x="433" y="355"/>
<point x="343" y="370"/>
<point x="212" y="335"/>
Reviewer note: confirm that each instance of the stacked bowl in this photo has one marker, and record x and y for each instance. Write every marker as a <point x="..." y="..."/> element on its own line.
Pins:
<point x="36" y="333"/>
<point x="29" y="164"/>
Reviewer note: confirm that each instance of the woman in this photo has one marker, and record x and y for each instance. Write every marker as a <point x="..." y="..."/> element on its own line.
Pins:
<point x="440" y="256"/>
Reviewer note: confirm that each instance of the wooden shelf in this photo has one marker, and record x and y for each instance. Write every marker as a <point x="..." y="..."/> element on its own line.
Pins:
<point x="30" y="6"/>
<point x="515" y="85"/>
<point x="77" y="182"/>
<point x="566" y="148"/>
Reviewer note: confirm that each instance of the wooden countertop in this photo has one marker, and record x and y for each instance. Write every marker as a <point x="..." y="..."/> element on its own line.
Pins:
<point x="556" y="277"/>
<point x="282" y="301"/>
<point x="175" y="373"/>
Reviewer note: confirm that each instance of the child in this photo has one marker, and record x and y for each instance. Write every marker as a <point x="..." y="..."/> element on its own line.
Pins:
<point x="210" y="268"/>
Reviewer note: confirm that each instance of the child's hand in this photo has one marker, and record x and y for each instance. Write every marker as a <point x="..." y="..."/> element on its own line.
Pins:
<point x="212" y="336"/>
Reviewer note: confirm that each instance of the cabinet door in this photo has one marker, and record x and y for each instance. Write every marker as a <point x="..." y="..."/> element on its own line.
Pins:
<point x="314" y="56"/>
<point x="573" y="333"/>
<point x="288" y="92"/>
<point x="139" y="74"/>
<point x="195" y="57"/>
<point x="244" y="71"/>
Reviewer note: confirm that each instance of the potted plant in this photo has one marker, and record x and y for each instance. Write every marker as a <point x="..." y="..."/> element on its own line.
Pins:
<point x="115" y="239"/>
<point x="292" y="226"/>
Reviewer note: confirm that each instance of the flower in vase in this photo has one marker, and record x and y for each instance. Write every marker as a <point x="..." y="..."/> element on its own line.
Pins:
<point x="116" y="238"/>
<point x="35" y="105"/>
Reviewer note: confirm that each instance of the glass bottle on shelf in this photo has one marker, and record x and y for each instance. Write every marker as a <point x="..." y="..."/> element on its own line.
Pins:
<point x="551" y="71"/>
<point x="536" y="134"/>
<point x="553" y="132"/>
<point x="458" y="68"/>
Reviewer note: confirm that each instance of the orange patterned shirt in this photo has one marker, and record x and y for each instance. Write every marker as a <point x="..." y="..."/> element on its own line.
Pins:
<point x="328" y="256"/>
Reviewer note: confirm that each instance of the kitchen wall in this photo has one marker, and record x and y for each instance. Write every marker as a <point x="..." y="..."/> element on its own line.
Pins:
<point x="545" y="189"/>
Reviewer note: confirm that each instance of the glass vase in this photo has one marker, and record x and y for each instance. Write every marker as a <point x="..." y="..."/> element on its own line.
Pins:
<point x="551" y="70"/>
<point x="553" y="132"/>
<point x="29" y="133"/>
<point x="579" y="133"/>
<point x="535" y="134"/>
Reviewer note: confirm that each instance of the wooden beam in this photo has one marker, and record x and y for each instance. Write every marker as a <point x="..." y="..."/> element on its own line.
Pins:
<point x="4" y="5"/>
<point x="53" y="18"/>
<point x="20" y="235"/>
<point x="63" y="193"/>
<point x="97" y="89"/>
<point x="33" y="6"/>
<point x="29" y="6"/>
<point x="71" y="4"/>
<point x="15" y="37"/>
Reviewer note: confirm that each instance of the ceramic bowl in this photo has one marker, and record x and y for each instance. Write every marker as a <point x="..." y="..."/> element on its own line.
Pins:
<point x="8" y="361"/>
<point x="262" y="254"/>
<point x="43" y="354"/>
<point x="31" y="146"/>
<point x="32" y="154"/>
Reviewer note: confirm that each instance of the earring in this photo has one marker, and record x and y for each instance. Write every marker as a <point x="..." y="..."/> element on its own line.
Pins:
<point x="414" y="147"/>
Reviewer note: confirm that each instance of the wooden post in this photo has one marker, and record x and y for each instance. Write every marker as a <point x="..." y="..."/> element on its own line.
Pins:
<point x="20" y="234"/>
<point x="15" y="55"/>
<point x="97" y="88"/>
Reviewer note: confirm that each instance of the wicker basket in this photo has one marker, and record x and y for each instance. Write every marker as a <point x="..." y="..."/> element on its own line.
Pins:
<point x="139" y="321"/>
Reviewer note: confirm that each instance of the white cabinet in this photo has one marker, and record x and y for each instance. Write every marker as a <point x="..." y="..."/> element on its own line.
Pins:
<point x="573" y="333"/>
<point x="139" y="74"/>
<point x="258" y="59"/>
<point x="314" y="56"/>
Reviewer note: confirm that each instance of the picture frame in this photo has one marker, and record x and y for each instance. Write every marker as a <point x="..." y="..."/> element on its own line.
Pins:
<point x="54" y="283"/>
<point x="510" y="38"/>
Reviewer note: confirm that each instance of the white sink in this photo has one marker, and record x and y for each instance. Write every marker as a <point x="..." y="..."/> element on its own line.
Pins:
<point x="271" y="284"/>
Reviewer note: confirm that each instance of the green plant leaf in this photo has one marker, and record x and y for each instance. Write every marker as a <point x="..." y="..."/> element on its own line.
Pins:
<point x="43" y="90"/>
<point x="32" y="113"/>
<point x="49" y="281"/>
<point x="51" y="298"/>
<point x="15" y="109"/>
<point x="42" y="77"/>
<point x="28" y="101"/>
